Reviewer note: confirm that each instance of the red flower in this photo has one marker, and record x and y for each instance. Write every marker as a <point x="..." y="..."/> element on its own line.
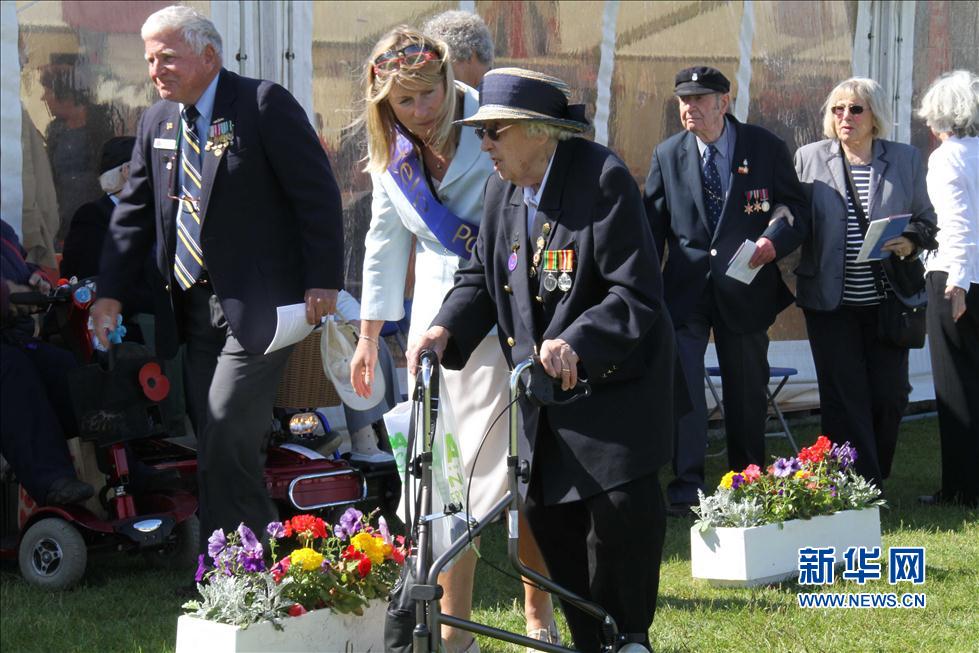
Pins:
<point x="364" y="567"/>
<point x="296" y="610"/>
<point x="397" y="555"/>
<point x="280" y="569"/>
<point x="306" y="525"/>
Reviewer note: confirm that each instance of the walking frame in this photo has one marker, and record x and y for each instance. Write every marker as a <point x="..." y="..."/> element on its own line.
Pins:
<point x="427" y="592"/>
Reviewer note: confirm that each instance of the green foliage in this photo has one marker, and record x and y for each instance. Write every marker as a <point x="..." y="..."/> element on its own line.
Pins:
<point x="241" y="600"/>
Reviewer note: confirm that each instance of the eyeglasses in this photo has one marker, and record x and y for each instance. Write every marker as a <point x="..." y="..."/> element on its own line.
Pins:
<point x="172" y="184"/>
<point x="411" y="56"/>
<point x="493" y="132"/>
<point x="839" y="110"/>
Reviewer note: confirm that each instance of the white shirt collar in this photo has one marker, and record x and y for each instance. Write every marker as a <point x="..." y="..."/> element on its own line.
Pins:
<point x="529" y="196"/>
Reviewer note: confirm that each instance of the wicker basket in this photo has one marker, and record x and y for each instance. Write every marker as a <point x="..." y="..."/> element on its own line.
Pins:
<point x="304" y="385"/>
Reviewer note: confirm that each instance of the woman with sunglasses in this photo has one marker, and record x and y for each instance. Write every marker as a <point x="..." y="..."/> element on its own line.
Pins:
<point x="853" y="178"/>
<point x="428" y="178"/>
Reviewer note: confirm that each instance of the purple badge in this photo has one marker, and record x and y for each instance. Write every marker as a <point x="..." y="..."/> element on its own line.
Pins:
<point x="511" y="262"/>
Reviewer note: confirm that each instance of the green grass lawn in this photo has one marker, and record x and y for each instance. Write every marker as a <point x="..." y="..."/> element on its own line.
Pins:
<point x="124" y="606"/>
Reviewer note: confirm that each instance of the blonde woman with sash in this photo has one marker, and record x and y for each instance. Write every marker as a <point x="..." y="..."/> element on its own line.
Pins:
<point x="418" y="159"/>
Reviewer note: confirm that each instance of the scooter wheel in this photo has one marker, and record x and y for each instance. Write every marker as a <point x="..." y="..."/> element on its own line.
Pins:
<point x="52" y="554"/>
<point x="180" y="552"/>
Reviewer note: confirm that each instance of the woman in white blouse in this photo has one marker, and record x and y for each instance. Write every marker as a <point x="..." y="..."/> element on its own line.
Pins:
<point x="950" y="108"/>
<point x="428" y="179"/>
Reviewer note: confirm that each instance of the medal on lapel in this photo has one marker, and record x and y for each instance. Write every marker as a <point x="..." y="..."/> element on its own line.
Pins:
<point x="558" y="260"/>
<point x="764" y="200"/>
<point x="749" y="206"/>
<point x="511" y="262"/>
<point x="545" y="229"/>
<point x="220" y="134"/>
<point x="743" y="168"/>
<point x="566" y="266"/>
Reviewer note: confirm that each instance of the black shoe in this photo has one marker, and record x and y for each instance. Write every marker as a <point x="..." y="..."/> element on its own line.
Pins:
<point x="681" y="510"/>
<point x="942" y="499"/>
<point x="68" y="490"/>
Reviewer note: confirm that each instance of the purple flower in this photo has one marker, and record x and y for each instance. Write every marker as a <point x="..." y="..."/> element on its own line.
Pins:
<point x="276" y="530"/>
<point x="737" y="481"/>
<point x="216" y="544"/>
<point x="844" y="454"/>
<point x="785" y="467"/>
<point x="201" y="569"/>
<point x="250" y="562"/>
<point x="349" y="523"/>
<point x="249" y="542"/>
<point x="382" y="525"/>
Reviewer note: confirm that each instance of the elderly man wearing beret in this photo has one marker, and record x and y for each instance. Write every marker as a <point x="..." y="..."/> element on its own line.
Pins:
<point x="565" y="266"/>
<point x="711" y="188"/>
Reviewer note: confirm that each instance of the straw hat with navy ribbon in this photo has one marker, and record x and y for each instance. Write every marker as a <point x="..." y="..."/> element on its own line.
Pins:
<point x="518" y="95"/>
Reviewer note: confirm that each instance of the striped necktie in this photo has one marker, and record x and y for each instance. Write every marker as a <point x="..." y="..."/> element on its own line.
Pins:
<point x="713" y="195"/>
<point x="189" y="261"/>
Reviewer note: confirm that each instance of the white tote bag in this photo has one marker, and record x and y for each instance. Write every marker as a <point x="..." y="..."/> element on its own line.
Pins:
<point x="448" y="478"/>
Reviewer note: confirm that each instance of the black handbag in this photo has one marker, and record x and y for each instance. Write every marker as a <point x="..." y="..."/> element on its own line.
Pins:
<point x="898" y="324"/>
<point x="901" y="325"/>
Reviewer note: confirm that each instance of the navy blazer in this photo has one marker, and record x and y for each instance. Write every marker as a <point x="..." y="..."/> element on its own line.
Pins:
<point x="897" y="185"/>
<point x="674" y="201"/>
<point x="613" y="316"/>
<point x="271" y="208"/>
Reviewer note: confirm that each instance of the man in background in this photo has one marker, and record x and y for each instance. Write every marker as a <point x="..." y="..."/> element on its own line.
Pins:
<point x="710" y="188"/>
<point x="470" y="43"/>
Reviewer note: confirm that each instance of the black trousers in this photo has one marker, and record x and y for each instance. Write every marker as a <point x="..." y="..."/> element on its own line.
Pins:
<point x="743" y="359"/>
<point x="863" y="385"/>
<point x="35" y="414"/>
<point x="230" y="394"/>
<point x="607" y="549"/>
<point x="955" y="369"/>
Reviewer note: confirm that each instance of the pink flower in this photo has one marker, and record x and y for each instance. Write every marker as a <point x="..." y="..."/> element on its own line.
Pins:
<point x="751" y="473"/>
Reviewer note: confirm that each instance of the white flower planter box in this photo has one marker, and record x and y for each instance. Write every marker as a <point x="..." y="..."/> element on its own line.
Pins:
<point x="742" y="557"/>
<point x="319" y="630"/>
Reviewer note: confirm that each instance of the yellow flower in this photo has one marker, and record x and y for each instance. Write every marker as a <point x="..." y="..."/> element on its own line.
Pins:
<point x="727" y="480"/>
<point x="307" y="558"/>
<point x="803" y="473"/>
<point x="372" y="547"/>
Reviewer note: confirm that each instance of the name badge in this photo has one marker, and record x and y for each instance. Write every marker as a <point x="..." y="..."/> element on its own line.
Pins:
<point x="164" y="143"/>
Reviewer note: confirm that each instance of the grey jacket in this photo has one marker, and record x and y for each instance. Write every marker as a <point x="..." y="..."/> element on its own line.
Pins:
<point x="897" y="185"/>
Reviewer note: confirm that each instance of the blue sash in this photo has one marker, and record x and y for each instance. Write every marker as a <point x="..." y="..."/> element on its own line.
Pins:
<point x="453" y="232"/>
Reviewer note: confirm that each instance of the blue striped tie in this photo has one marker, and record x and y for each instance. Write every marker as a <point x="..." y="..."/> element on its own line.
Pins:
<point x="189" y="260"/>
<point x="713" y="195"/>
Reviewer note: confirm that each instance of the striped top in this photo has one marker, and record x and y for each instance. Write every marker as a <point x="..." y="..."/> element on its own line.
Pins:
<point x="858" y="278"/>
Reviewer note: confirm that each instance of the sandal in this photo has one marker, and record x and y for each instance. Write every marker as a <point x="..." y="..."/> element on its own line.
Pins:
<point x="550" y="635"/>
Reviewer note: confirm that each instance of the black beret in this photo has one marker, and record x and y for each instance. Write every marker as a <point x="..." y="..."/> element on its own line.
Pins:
<point x="700" y="80"/>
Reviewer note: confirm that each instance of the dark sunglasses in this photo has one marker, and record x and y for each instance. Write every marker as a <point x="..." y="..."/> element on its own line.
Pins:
<point x="492" y="132"/>
<point x="839" y="110"/>
<point x="411" y="56"/>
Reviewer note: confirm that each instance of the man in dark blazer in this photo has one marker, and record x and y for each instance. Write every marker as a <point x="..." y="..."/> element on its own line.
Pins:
<point x="230" y="182"/>
<point x="709" y="189"/>
<point x="565" y="266"/>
